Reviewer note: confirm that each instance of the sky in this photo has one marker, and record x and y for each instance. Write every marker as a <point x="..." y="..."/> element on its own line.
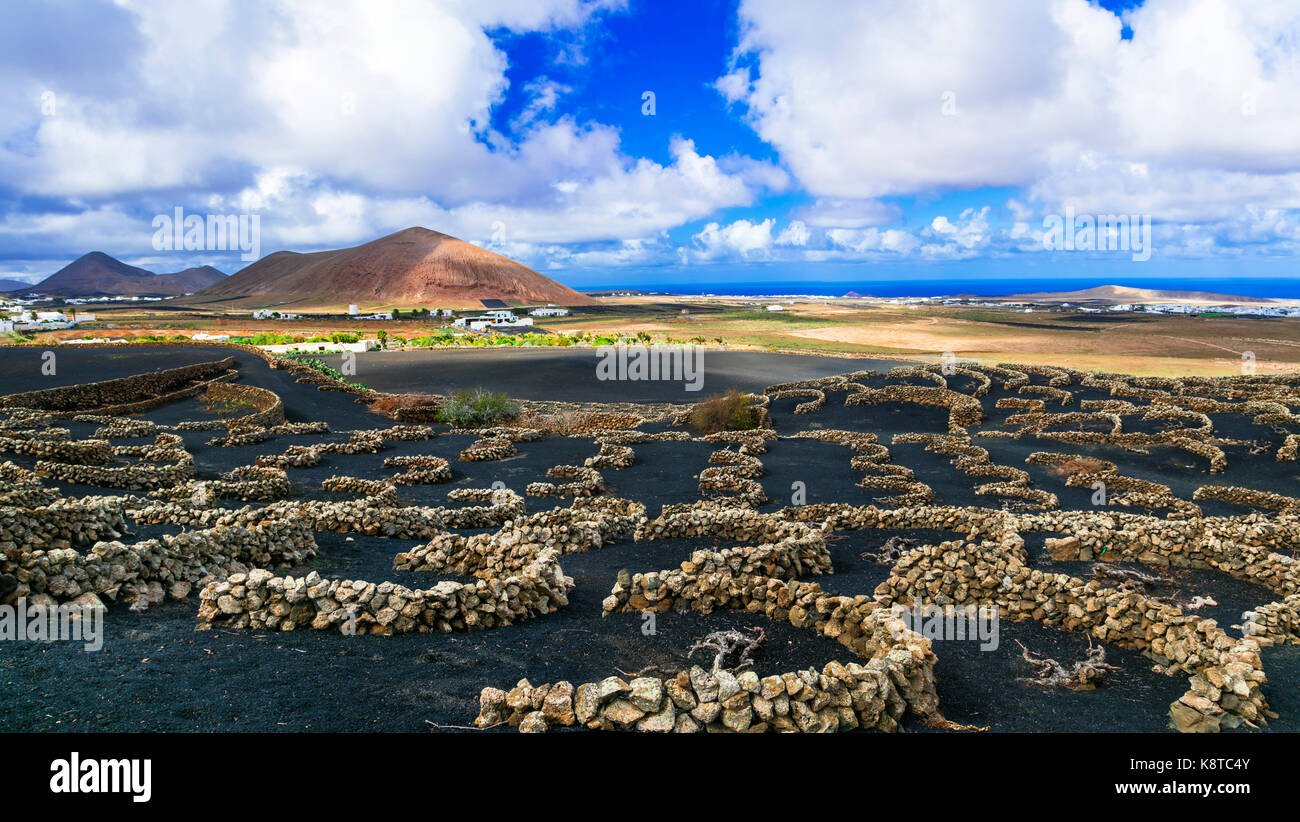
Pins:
<point x="656" y="141"/>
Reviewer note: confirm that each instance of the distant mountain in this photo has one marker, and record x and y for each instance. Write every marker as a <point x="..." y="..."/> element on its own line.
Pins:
<point x="98" y="275"/>
<point x="192" y="280"/>
<point x="13" y="285"/>
<point x="1119" y="295"/>
<point x="413" y="267"/>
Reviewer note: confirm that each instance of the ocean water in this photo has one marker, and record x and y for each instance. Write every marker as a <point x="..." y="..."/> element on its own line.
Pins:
<point x="1275" y="287"/>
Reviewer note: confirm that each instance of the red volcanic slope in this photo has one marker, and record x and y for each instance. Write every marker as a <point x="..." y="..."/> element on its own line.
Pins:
<point x="413" y="267"/>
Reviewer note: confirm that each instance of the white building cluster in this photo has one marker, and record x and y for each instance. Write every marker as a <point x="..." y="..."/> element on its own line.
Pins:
<point x="19" y="316"/>
<point x="497" y="319"/>
<point x="1238" y="310"/>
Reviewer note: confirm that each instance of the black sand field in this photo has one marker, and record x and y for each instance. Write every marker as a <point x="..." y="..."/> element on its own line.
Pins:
<point x="156" y="673"/>
<point x="533" y="374"/>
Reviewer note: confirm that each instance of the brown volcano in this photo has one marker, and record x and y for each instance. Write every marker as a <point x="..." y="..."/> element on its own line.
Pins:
<point x="414" y="267"/>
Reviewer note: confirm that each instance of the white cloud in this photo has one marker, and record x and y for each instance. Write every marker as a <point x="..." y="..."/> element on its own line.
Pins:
<point x="795" y="234"/>
<point x="344" y="119"/>
<point x="741" y="237"/>
<point x="545" y="94"/>
<point x="867" y="242"/>
<point x="849" y="213"/>
<point x="1194" y="117"/>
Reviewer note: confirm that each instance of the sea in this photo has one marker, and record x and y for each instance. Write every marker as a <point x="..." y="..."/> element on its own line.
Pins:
<point x="1285" y="288"/>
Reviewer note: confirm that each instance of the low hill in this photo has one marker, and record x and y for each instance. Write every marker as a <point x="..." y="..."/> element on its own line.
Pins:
<point x="1119" y="295"/>
<point x="192" y="280"/>
<point x="13" y="285"/>
<point x="413" y="267"/>
<point x="98" y="275"/>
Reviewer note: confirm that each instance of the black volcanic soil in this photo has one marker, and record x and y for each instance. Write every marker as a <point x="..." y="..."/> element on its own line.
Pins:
<point x="533" y="374"/>
<point x="156" y="673"/>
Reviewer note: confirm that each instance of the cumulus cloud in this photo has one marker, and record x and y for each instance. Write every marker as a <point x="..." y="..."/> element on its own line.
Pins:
<point x="335" y="120"/>
<point x="1193" y="118"/>
<point x="795" y="234"/>
<point x="741" y="237"/>
<point x="341" y="121"/>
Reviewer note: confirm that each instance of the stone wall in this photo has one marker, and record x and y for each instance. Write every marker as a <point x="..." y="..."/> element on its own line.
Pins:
<point x="488" y="449"/>
<point x="145" y="572"/>
<point x="260" y="600"/>
<point x="611" y="456"/>
<point x="1226" y="674"/>
<point x="841" y="697"/>
<point x="898" y="675"/>
<point x="583" y="482"/>
<point x="136" y="477"/>
<point x="269" y="407"/>
<point x="125" y="390"/>
<point x="61" y="523"/>
<point x="53" y="444"/>
<point x="589" y="524"/>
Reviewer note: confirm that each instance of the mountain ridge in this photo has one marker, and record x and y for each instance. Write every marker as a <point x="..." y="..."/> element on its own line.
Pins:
<point x="96" y="274"/>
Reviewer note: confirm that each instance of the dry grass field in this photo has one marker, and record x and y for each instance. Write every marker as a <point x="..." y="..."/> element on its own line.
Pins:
<point x="1143" y="344"/>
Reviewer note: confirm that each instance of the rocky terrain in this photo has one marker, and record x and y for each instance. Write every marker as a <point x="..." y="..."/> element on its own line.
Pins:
<point x="272" y="554"/>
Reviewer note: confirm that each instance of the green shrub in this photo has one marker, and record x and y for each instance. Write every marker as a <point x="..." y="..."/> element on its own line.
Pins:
<point x="468" y="409"/>
<point x="724" y="412"/>
<point x="328" y="370"/>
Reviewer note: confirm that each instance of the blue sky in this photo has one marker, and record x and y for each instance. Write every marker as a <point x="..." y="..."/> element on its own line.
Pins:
<point x="813" y="141"/>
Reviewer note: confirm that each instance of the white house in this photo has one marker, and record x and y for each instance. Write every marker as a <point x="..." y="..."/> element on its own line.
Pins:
<point x="549" y="311"/>
<point x="499" y="320"/>
<point x="513" y="322"/>
<point x="776" y="308"/>
<point x="6" y="326"/>
<point x="353" y="309"/>
<point x="321" y="347"/>
<point x="204" y="336"/>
